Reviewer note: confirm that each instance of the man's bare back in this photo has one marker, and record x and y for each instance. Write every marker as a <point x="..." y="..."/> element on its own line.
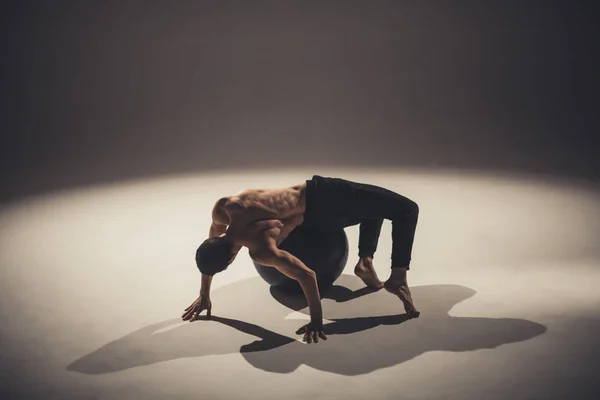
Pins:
<point x="240" y="212"/>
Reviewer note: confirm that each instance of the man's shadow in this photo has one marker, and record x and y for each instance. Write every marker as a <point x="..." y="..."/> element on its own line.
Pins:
<point x="358" y="342"/>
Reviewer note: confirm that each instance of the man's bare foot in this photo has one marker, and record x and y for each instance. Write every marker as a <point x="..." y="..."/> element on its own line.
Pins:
<point x="403" y="292"/>
<point x="364" y="270"/>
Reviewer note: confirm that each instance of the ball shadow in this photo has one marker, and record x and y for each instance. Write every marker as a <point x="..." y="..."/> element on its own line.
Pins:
<point x="358" y="342"/>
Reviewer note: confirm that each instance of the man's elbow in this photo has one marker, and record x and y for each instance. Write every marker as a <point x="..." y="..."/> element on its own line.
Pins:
<point x="308" y="273"/>
<point x="306" y="276"/>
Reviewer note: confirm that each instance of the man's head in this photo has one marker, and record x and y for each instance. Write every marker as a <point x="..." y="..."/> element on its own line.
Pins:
<point x="214" y="255"/>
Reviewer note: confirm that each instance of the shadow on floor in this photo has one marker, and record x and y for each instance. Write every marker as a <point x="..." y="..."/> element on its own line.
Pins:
<point x="358" y="342"/>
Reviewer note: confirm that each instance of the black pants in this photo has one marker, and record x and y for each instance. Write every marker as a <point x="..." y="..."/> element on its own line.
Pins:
<point x="334" y="203"/>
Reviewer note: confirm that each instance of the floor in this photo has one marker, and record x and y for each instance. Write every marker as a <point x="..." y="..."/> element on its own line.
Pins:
<point x="505" y="272"/>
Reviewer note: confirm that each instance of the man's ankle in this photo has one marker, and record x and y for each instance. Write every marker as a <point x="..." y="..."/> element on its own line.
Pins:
<point x="366" y="260"/>
<point x="398" y="275"/>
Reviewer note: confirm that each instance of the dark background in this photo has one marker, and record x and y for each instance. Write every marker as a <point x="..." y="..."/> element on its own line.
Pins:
<point x="101" y="91"/>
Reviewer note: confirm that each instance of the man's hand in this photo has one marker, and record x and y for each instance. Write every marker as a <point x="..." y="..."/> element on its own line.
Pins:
<point x="312" y="332"/>
<point x="192" y="313"/>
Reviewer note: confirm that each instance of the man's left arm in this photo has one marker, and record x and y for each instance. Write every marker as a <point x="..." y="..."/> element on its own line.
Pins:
<point x="294" y="268"/>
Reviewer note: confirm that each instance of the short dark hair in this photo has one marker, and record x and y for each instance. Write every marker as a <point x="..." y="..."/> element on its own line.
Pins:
<point x="214" y="255"/>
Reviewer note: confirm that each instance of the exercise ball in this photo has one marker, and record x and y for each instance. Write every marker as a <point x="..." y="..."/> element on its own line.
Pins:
<point x="323" y="251"/>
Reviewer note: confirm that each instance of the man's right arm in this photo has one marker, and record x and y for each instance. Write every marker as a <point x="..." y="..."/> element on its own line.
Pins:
<point x="203" y="301"/>
<point x="214" y="231"/>
<point x="205" y="285"/>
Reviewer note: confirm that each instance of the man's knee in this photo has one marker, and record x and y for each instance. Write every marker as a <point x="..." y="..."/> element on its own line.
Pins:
<point x="411" y="208"/>
<point x="407" y="210"/>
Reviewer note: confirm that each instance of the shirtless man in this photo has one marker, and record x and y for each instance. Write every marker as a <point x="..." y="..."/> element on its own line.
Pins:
<point x="261" y="219"/>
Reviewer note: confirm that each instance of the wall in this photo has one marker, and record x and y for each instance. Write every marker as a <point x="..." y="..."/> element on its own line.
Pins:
<point x="101" y="91"/>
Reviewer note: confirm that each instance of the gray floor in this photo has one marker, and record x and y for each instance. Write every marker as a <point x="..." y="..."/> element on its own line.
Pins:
<point x="505" y="272"/>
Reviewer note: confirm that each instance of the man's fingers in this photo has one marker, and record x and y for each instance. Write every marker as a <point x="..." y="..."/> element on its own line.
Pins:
<point x="194" y="304"/>
<point x="197" y="301"/>
<point x="192" y="313"/>
<point x="187" y="314"/>
<point x="196" y="314"/>
<point x="311" y="335"/>
<point x="189" y="310"/>
<point x="195" y="317"/>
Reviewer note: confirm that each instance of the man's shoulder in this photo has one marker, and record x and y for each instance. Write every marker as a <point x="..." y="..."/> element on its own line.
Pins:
<point x="220" y="211"/>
